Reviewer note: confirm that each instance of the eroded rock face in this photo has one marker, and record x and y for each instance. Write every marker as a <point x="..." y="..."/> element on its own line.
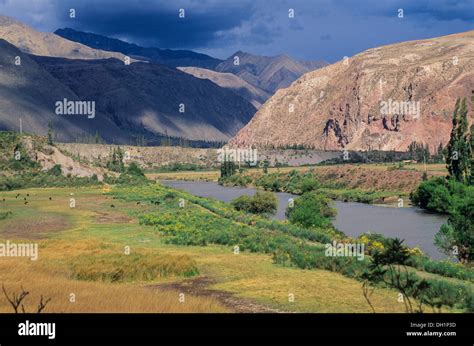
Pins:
<point x="383" y="98"/>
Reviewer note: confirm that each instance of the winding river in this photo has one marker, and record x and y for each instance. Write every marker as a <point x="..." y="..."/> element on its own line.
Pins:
<point x="416" y="226"/>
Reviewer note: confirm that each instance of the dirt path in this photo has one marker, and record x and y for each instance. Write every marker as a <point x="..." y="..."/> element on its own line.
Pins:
<point x="200" y="287"/>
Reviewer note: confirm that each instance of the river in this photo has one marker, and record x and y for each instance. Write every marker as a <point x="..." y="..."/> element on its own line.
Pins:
<point x="416" y="226"/>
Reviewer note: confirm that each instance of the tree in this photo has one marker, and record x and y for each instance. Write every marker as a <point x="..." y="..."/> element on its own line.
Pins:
<point x="50" y="133"/>
<point x="456" y="237"/>
<point x="464" y="143"/>
<point x="471" y="148"/>
<point x="452" y="148"/>
<point x="311" y="210"/>
<point x="227" y="168"/>
<point x="135" y="170"/>
<point x="115" y="162"/>
<point x="262" y="202"/>
<point x="389" y="267"/>
<point x="439" y="153"/>
<point x="459" y="146"/>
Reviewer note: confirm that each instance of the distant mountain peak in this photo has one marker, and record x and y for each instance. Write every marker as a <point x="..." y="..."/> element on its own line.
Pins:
<point x="267" y="73"/>
<point x="31" y="41"/>
<point x="170" y="57"/>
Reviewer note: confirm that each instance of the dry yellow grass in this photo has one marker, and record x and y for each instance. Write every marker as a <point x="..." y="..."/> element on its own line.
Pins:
<point x="89" y="296"/>
<point x="185" y="175"/>
<point x="91" y="230"/>
<point x="255" y="277"/>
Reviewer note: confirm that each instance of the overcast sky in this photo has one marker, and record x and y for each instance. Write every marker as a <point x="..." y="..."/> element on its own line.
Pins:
<point x="320" y="29"/>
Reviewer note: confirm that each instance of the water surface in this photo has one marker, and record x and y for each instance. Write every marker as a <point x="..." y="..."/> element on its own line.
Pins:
<point x="416" y="226"/>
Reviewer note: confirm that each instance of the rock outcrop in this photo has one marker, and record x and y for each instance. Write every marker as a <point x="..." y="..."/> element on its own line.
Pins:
<point x="381" y="99"/>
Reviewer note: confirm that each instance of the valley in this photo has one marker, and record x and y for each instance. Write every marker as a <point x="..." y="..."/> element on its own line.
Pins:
<point x="222" y="159"/>
<point x="96" y="231"/>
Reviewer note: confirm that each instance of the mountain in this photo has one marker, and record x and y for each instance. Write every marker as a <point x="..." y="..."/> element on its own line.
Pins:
<point x="28" y="92"/>
<point x="254" y="95"/>
<point x="138" y="99"/>
<point x="267" y="73"/>
<point x="31" y="41"/>
<point x="168" y="57"/>
<point x="383" y="98"/>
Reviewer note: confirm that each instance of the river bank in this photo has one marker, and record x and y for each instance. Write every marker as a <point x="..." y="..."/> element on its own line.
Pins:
<point x="414" y="225"/>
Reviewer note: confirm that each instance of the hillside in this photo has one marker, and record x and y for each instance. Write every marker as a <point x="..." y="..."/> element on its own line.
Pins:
<point x="146" y="98"/>
<point x="28" y="92"/>
<point x="168" y="57"/>
<point x="254" y="95"/>
<point x="344" y="105"/>
<point x="35" y="155"/>
<point x="267" y="73"/>
<point x="34" y="42"/>
<point x="139" y="99"/>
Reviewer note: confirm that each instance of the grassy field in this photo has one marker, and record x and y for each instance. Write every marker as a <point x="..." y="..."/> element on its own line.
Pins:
<point x="101" y="229"/>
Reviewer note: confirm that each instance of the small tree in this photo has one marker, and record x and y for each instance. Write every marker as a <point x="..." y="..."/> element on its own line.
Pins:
<point x="262" y="202"/>
<point x="456" y="237"/>
<point x="389" y="268"/>
<point x="311" y="210"/>
<point x="459" y="147"/>
<point x="50" y="133"/>
<point x="227" y="169"/>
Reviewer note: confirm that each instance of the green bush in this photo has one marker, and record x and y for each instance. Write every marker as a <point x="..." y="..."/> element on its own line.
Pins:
<point x="260" y="203"/>
<point x="440" y="195"/>
<point x="135" y="170"/>
<point x="56" y="170"/>
<point x="5" y="215"/>
<point x="458" y="232"/>
<point x="311" y="210"/>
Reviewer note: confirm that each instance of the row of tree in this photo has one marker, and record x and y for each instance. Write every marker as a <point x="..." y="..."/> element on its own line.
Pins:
<point x="454" y="195"/>
<point x="459" y="159"/>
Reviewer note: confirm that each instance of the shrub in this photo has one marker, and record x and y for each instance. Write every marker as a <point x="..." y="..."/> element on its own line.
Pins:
<point x="440" y="195"/>
<point x="135" y="170"/>
<point x="311" y="210"/>
<point x="458" y="233"/>
<point x="260" y="203"/>
<point x="5" y="215"/>
<point x="56" y="170"/>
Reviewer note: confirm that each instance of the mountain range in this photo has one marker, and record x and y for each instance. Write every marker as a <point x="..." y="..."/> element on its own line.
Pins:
<point x="383" y="98"/>
<point x="149" y="97"/>
<point x="267" y="73"/>
<point x="139" y="99"/>
<point x="168" y="57"/>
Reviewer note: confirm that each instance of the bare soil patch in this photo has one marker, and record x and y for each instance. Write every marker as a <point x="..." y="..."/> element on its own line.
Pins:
<point x="33" y="228"/>
<point x="200" y="287"/>
<point x="108" y="218"/>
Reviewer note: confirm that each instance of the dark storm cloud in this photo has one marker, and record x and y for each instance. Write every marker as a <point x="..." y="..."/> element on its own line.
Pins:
<point x="158" y="22"/>
<point x="320" y="29"/>
<point x="442" y="10"/>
